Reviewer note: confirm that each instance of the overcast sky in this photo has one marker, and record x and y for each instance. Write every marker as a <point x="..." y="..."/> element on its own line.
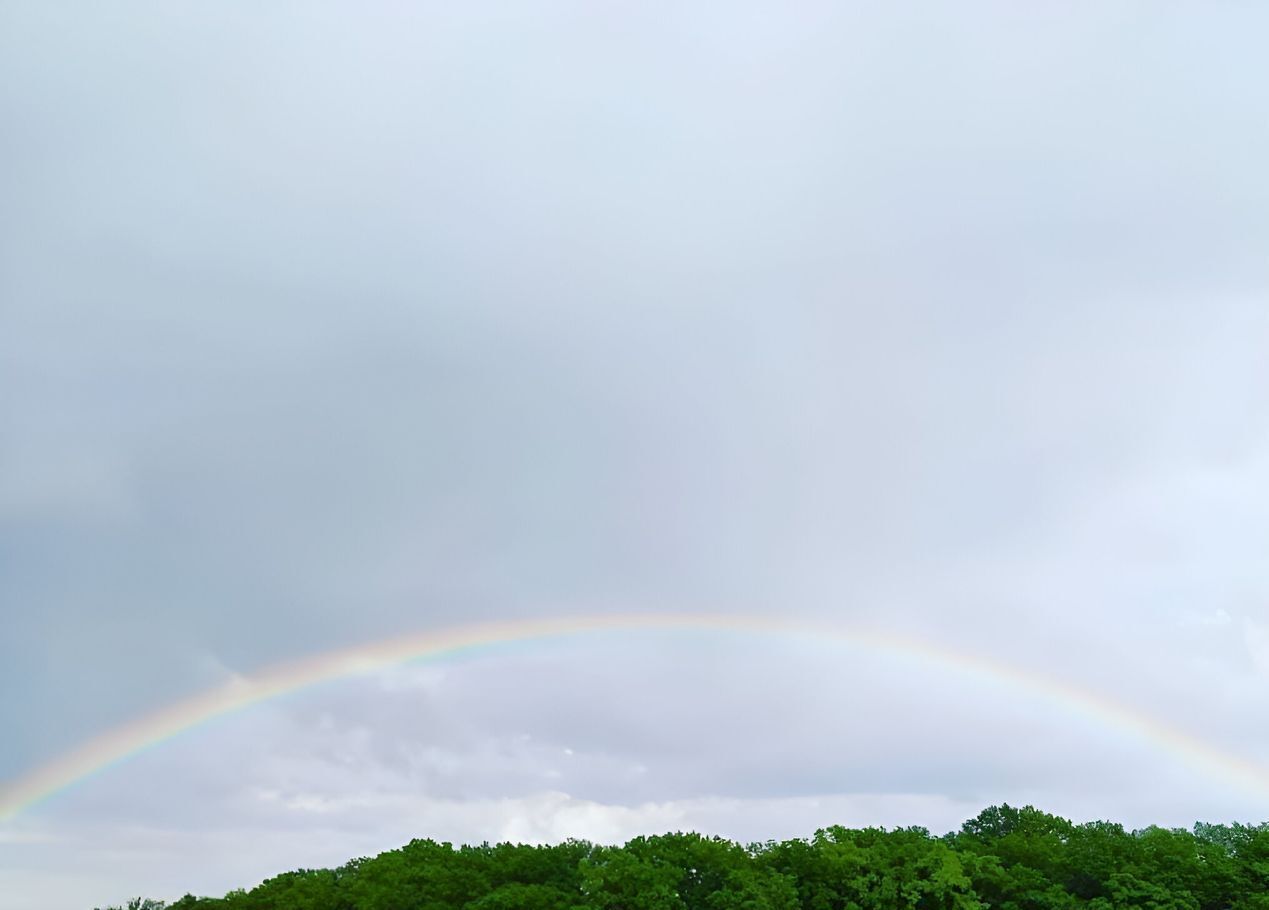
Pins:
<point x="323" y="323"/>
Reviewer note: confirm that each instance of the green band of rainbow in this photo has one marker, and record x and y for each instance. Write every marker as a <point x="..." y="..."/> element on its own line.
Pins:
<point x="123" y="742"/>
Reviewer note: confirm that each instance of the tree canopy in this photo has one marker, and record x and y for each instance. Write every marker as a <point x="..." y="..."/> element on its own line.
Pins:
<point x="1006" y="858"/>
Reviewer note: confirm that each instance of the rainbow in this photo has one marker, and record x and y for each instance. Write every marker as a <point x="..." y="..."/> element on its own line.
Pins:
<point x="118" y="745"/>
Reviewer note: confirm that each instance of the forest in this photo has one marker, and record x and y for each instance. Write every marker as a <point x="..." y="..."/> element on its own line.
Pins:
<point x="1006" y="857"/>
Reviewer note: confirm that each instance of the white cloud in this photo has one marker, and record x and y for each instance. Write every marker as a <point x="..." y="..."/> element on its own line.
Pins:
<point x="1256" y="637"/>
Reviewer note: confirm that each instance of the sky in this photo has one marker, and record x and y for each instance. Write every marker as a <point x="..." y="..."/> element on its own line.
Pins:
<point x="325" y="324"/>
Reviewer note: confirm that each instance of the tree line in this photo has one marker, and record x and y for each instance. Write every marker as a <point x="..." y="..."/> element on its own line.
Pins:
<point x="1007" y="858"/>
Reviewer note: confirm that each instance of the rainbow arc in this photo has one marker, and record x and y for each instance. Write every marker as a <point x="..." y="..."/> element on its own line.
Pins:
<point x="118" y="745"/>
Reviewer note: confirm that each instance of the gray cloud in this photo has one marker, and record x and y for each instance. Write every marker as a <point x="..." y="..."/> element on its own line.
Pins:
<point x="318" y="328"/>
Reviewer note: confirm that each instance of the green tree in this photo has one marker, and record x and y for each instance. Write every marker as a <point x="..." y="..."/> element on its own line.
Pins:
<point x="517" y="896"/>
<point x="617" y="878"/>
<point x="1006" y="858"/>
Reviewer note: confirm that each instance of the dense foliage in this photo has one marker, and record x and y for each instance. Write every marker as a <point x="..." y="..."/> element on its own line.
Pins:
<point x="1016" y="859"/>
